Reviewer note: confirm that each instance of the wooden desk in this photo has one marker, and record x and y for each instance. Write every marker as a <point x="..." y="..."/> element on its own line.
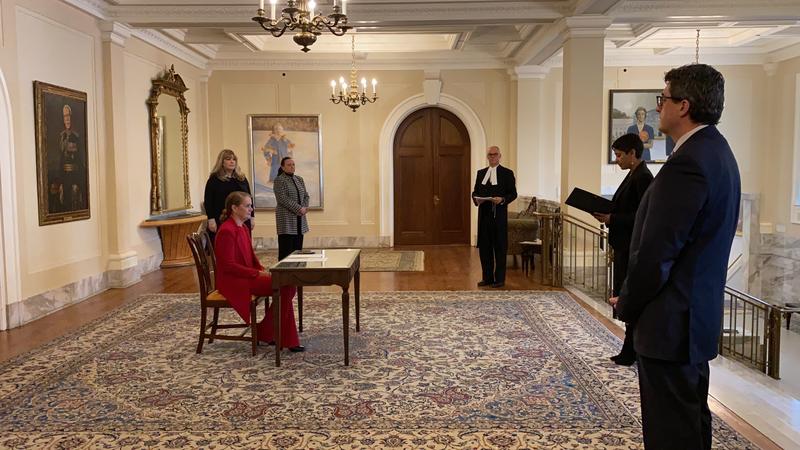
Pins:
<point x="339" y="267"/>
<point x="173" y="238"/>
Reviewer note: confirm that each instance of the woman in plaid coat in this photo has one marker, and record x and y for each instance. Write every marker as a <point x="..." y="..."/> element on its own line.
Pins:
<point x="290" y="213"/>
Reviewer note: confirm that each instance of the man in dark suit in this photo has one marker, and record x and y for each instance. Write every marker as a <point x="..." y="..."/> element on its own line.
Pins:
<point x="495" y="187"/>
<point x="678" y="262"/>
<point x="629" y="153"/>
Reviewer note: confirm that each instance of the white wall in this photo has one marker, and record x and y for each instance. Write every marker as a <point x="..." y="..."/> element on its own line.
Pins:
<point x="66" y="56"/>
<point x="58" y="44"/>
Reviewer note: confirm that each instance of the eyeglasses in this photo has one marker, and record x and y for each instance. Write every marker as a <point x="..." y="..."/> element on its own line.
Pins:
<point x="660" y="99"/>
<point x="493" y="154"/>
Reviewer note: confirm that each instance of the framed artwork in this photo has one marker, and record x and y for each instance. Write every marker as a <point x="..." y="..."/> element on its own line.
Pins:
<point x="62" y="174"/>
<point x="275" y="136"/>
<point x="634" y="111"/>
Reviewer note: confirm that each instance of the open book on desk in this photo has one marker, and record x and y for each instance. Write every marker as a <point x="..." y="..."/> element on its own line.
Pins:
<point x="589" y="202"/>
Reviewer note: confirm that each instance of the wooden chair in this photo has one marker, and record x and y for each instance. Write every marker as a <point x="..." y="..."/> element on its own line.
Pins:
<point x="205" y="263"/>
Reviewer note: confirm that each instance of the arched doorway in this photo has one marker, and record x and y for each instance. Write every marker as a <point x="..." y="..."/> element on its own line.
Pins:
<point x="9" y="273"/>
<point x="431" y="175"/>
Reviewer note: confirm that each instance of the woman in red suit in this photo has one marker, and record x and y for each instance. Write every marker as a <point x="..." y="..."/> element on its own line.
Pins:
<point x="240" y="274"/>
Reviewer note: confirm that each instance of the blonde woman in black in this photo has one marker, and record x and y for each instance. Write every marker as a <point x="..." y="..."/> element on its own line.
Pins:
<point x="225" y="177"/>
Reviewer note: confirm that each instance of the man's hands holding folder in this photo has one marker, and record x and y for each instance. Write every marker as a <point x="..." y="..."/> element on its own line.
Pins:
<point x="479" y="200"/>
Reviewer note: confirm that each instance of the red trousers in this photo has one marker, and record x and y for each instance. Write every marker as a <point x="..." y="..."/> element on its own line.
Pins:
<point x="262" y="286"/>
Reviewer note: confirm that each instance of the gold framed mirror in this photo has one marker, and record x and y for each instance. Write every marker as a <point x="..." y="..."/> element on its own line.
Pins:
<point x="169" y="147"/>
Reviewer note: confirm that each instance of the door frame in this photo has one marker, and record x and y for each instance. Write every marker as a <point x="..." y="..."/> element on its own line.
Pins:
<point x="9" y="253"/>
<point x="477" y="138"/>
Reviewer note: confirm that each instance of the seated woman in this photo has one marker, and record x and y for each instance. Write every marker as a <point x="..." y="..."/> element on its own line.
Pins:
<point x="240" y="274"/>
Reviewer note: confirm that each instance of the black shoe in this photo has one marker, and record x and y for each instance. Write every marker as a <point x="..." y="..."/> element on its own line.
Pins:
<point x="623" y="360"/>
<point x="484" y="283"/>
<point x="297" y="349"/>
<point x="498" y="285"/>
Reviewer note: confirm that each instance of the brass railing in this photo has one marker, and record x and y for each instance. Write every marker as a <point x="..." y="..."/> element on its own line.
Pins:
<point x="587" y="257"/>
<point x="751" y="332"/>
<point x="581" y="257"/>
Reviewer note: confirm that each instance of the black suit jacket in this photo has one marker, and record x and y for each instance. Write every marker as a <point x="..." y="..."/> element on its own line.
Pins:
<point x="626" y="202"/>
<point x="506" y="187"/>
<point x="679" y="252"/>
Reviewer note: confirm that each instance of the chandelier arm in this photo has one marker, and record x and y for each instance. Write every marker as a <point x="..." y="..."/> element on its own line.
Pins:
<point x="338" y="31"/>
<point x="278" y="32"/>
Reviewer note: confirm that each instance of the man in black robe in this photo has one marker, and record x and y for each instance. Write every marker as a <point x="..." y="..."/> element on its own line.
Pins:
<point x="495" y="187"/>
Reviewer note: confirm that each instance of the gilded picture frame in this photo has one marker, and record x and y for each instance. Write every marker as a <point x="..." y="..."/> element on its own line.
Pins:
<point x="271" y="137"/>
<point x="62" y="171"/>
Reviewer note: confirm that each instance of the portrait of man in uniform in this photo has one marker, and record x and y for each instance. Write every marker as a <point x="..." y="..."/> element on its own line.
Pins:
<point x="61" y="154"/>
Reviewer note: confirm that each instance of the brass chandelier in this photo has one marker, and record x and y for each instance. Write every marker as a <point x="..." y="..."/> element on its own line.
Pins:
<point x="349" y="95"/>
<point x="299" y="16"/>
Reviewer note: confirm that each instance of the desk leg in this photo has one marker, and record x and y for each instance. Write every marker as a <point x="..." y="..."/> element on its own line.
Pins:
<point x="357" y="282"/>
<point x="300" y="306"/>
<point x="346" y="325"/>
<point x="276" y="324"/>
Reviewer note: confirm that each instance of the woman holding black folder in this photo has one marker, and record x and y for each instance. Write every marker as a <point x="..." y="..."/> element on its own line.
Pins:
<point x="628" y="150"/>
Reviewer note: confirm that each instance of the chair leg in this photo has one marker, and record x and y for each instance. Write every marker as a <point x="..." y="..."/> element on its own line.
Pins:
<point x="788" y="319"/>
<point x="214" y="323"/>
<point x="253" y="326"/>
<point x="202" y="329"/>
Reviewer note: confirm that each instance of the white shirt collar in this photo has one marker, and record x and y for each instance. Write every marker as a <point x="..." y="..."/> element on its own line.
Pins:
<point x="686" y="137"/>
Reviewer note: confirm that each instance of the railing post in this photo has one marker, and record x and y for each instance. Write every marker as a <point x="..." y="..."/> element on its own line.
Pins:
<point x="774" y="344"/>
<point x="558" y="231"/>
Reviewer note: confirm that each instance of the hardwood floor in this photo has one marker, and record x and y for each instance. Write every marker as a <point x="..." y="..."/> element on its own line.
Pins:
<point x="446" y="268"/>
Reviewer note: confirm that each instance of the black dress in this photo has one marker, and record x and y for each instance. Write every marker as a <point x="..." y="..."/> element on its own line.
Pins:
<point x="215" y="194"/>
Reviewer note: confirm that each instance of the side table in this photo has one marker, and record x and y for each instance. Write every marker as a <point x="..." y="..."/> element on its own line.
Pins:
<point x="529" y="249"/>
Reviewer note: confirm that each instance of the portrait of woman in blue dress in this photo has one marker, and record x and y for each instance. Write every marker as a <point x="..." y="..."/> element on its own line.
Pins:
<point x="278" y="146"/>
<point x="644" y="131"/>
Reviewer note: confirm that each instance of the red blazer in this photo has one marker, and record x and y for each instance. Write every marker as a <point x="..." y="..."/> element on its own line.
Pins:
<point x="237" y="264"/>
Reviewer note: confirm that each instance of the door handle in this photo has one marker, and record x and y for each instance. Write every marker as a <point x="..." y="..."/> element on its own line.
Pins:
<point x="435" y="200"/>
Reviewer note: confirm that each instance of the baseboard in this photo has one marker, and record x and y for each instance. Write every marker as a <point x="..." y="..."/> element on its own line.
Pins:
<point x="40" y="305"/>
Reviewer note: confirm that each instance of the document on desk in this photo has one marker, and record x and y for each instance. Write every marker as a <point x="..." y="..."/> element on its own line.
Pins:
<point x="307" y="256"/>
<point x="589" y="202"/>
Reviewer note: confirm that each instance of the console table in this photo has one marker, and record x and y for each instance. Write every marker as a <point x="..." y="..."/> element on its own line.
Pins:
<point x="173" y="233"/>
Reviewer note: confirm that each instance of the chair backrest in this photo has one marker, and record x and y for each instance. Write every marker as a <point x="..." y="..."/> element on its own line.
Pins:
<point x="204" y="264"/>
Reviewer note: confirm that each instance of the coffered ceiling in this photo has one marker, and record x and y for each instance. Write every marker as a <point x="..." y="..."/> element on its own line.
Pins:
<point x="441" y="34"/>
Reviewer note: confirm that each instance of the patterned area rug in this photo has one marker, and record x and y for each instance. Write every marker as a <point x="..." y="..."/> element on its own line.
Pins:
<point x="456" y="370"/>
<point x="372" y="260"/>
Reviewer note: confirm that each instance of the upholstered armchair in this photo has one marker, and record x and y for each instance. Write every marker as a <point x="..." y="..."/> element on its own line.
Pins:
<point x="524" y="225"/>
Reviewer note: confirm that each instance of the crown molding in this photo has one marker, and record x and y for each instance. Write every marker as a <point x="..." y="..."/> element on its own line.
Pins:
<point x="542" y="45"/>
<point x="531" y="72"/>
<point x="180" y="51"/>
<point x="97" y="8"/>
<point x="114" y="32"/>
<point x="693" y="10"/>
<point x="588" y="26"/>
<point x="426" y="65"/>
<point x="792" y="51"/>
<point x="359" y="13"/>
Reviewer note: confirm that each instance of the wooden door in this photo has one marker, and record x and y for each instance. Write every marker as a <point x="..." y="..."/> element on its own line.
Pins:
<point x="431" y="179"/>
